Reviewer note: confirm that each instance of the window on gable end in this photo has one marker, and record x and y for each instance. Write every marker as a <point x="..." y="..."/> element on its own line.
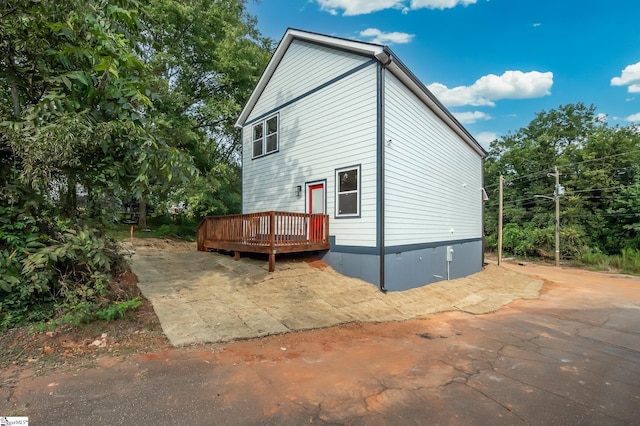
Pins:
<point x="272" y="134"/>
<point x="258" y="139"/>
<point x="348" y="192"/>
<point x="265" y="136"/>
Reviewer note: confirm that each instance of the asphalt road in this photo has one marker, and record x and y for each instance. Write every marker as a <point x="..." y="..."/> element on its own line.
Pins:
<point x="570" y="357"/>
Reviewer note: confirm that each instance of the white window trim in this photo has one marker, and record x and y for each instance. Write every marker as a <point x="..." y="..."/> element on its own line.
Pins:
<point x="358" y="191"/>
<point x="263" y="122"/>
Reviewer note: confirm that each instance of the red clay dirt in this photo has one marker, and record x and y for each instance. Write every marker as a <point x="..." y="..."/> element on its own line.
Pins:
<point x="570" y="357"/>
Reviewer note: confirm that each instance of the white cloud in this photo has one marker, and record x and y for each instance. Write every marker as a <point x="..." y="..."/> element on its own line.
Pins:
<point x="630" y="76"/>
<point x="470" y="117"/>
<point x="358" y="7"/>
<point x="461" y="95"/>
<point x="485" y="138"/>
<point x="439" y="4"/>
<point x="380" y="37"/>
<point x="602" y="117"/>
<point x="490" y="88"/>
<point x="363" y="7"/>
<point x="633" y="117"/>
<point x="536" y="24"/>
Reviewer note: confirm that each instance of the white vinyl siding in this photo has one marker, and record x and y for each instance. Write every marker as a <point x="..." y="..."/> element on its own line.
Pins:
<point x="304" y="67"/>
<point x="433" y="179"/>
<point x="317" y="136"/>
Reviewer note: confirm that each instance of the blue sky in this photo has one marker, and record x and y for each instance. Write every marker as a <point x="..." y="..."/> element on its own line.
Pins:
<point x="493" y="63"/>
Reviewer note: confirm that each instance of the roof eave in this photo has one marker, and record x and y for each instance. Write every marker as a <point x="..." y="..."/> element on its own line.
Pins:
<point x="382" y="54"/>
<point x="411" y="81"/>
<point x="368" y="49"/>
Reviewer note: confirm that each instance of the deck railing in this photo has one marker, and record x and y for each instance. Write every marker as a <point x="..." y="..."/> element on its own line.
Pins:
<point x="265" y="232"/>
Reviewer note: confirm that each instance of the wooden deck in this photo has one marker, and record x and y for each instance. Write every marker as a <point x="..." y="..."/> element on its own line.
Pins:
<point x="266" y="232"/>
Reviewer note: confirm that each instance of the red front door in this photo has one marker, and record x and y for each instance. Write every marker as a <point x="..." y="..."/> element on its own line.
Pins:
<point x="316" y="206"/>
<point x="316" y="198"/>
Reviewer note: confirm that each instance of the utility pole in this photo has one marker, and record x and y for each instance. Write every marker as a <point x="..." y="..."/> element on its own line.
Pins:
<point x="556" y="194"/>
<point x="500" y="222"/>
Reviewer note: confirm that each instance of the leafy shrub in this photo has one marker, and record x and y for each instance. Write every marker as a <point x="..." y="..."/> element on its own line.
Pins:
<point x="491" y="242"/>
<point x="49" y="265"/>
<point x="19" y="236"/>
<point x="572" y="240"/>
<point x="517" y="240"/>
<point x="544" y="239"/>
<point x="119" y="309"/>
<point x="532" y="240"/>
<point x="75" y="266"/>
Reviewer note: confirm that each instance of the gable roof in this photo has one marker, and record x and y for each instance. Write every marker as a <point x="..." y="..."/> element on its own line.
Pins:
<point x="383" y="54"/>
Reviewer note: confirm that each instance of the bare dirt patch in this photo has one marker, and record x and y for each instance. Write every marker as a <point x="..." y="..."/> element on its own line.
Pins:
<point x="162" y="244"/>
<point x="38" y="348"/>
<point x="316" y="263"/>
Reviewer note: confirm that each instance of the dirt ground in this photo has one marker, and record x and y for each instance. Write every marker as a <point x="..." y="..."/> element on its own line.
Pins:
<point x="27" y="350"/>
<point x="28" y="355"/>
<point x="34" y="350"/>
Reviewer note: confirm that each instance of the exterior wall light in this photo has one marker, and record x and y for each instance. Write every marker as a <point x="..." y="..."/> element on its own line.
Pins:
<point x="298" y="190"/>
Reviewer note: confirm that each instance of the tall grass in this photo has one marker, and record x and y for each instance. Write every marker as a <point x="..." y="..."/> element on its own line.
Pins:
<point x="628" y="261"/>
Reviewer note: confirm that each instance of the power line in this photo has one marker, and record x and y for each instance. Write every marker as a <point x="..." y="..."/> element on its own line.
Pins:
<point x="601" y="189"/>
<point x="507" y="182"/>
<point x="569" y="195"/>
<point x="544" y="173"/>
<point x="601" y="158"/>
<point x="607" y="197"/>
<point x="575" y="172"/>
<point x="517" y="201"/>
<point x="568" y="214"/>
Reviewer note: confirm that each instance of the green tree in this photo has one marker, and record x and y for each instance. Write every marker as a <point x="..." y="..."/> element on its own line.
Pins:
<point x="206" y="57"/>
<point x="624" y="211"/>
<point x="114" y="97"/>
<point x="76" y="88"/>
<point x="74" y="83"/>
<point x="596" y="163"/>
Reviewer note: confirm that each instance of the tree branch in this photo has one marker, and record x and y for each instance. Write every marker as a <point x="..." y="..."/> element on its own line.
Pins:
<point x="9" y="13"/>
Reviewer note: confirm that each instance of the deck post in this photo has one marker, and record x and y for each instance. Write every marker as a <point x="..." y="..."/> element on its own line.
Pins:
<point x="272" y="262"/>
<point x="272" y="241"/>
<point x="236" y="255"/>
<point x="326" y="228"/>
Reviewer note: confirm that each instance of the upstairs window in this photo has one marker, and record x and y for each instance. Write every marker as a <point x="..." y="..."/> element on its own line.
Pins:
<point x="348" y="192"/>
<point x="265" y="136"/>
